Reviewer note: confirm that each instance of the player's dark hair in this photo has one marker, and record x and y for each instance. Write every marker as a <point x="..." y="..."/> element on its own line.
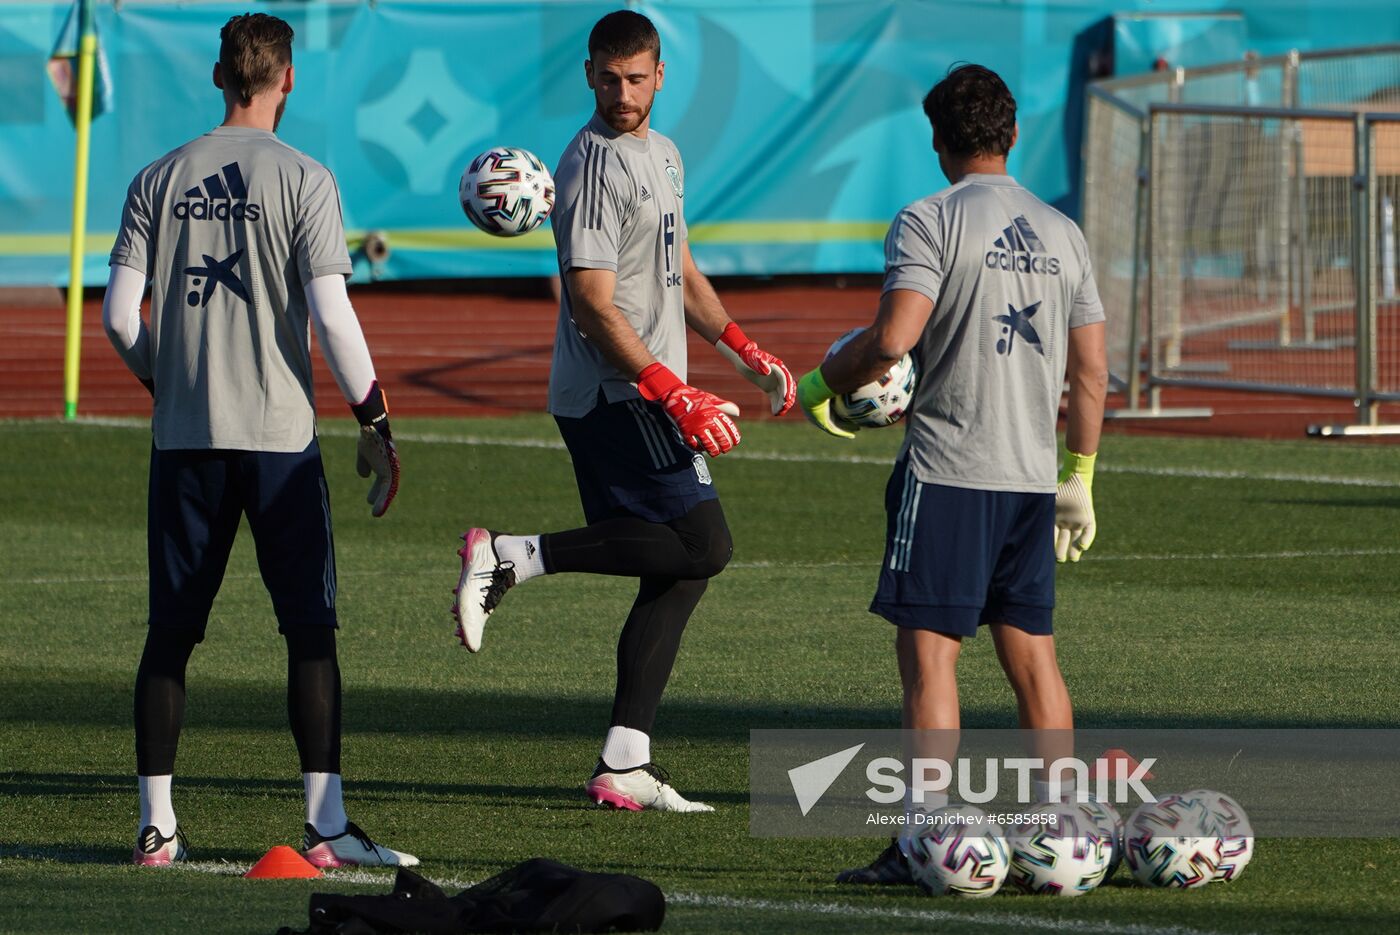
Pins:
<point x="972" y="112"/>
<point x="253" y="51"/>
<point x="623" y="34"/>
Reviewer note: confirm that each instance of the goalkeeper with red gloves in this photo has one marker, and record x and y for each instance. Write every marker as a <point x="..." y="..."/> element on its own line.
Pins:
<point x="637" y="432"/>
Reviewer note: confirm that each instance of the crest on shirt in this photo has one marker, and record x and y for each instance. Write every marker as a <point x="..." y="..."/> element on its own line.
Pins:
<point x="675" y="176"/>
<point x="702" y="470"/>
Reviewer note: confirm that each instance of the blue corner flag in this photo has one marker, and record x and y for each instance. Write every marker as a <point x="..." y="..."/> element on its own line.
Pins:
<point x="63" y="64"/>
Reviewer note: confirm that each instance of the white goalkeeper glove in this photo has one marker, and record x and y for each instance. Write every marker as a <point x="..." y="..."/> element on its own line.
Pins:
<point x="375" y="453"/>
<point x="759" y="367"/>
<point x="1074" y="507"/>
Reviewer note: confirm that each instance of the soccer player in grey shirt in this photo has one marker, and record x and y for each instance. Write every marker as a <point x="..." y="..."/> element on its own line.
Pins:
<point x="241" y="239"/>
<point x="636" y="431"/>
<point x="991" y="290"/>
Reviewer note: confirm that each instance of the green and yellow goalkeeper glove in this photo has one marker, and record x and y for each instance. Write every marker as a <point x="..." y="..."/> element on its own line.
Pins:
<point x="1074" y="524"/>
<point x="815" y="397"/>
<point x="1074" y="507"/>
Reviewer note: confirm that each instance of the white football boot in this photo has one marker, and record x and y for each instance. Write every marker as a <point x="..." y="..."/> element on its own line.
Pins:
<point x="647" y="786"/>
<point x="155" y="850"/>
<point x="351" y="848"/>
<point x="484" y="580"/>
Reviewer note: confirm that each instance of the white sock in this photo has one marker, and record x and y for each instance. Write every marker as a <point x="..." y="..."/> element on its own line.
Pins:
<point x="524" y="551"/>
<point x="156" y="808"/>
<point x="932" y="802"/>
<point x="626" y="748"/>
<point x="325" y="809"/>
<point x="1042" y="791"/>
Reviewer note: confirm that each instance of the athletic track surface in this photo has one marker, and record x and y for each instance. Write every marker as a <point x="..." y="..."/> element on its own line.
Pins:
<point x="449" y="349"/>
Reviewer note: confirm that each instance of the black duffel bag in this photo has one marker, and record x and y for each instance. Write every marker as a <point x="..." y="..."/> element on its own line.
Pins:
<point x="538" y="895"/>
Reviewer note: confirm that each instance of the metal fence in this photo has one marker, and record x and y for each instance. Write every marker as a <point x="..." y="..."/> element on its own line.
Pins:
<point x="1243" y="216"/>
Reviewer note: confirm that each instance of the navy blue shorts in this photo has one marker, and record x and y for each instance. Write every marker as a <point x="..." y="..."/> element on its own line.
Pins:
<point x="197" y="498"/>
<point x="629" y="460"/>
<point x="957" y="558"/>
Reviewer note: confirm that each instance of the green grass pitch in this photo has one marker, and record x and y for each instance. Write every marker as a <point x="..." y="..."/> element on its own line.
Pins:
<point x="1233" y="584"/>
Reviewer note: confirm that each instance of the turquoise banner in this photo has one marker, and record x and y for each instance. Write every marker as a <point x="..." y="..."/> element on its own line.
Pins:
<point x="799" y="120"/>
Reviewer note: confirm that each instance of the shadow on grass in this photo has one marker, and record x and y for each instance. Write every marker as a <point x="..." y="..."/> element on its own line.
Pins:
<point x="32" y="698"/>
<point x="18" y="784"/>
<point x="1369" y="503"/>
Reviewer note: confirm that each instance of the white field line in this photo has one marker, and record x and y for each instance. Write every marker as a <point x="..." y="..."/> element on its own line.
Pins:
<point x="432" y="438"/>
<point x="977" y="920"/>
<point x="1094" y="558"/>
<point x="966" y="920"/>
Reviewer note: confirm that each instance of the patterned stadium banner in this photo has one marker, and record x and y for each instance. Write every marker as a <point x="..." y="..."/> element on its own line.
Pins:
<point x="799" y="120"/>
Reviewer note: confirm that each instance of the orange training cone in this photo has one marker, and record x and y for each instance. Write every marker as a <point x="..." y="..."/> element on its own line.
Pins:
<point x="1118" y="764"/>
<point x="282" y="863"/>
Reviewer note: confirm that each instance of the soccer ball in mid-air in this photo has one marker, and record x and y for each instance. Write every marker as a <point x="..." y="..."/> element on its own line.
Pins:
<point x="957" y="858"/>
<point x="1236" y="833"/>
<point x="1065" y="853"/>
<point x="1110" y="824"/>
<point x="1173" y="842"/>
<point x="507" y="191"/>
<point x="877" y="404"/>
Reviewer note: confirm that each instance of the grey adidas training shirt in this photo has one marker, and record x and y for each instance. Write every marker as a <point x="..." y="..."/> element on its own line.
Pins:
<point x="618" y="206"/>
<point x="229" y="229"/>
<point x="1009" y="277"/>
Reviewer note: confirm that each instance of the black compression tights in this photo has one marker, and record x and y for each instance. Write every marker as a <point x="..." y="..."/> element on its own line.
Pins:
<point x="695" y="546"/>
<point x="674" y="561"/>
<point x="647" y="648"/>
<point x="160" y="700"/>
<point x="313" y="699"/>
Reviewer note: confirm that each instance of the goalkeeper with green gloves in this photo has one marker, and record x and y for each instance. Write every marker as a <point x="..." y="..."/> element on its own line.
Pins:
<point x="991" y="290"/>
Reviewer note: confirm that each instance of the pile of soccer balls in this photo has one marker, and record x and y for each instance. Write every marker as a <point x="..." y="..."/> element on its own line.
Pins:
<point x="1182" y="841"/>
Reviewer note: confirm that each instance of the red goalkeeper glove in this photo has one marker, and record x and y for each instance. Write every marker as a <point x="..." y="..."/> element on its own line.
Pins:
<point x="759" y="367"/>
<point x="376" y="452"/>
<point x="705" y="421"/>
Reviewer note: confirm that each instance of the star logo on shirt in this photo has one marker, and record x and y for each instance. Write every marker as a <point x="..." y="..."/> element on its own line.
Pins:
<point x="1017" y="323"/>
<point x="214" y="274"/>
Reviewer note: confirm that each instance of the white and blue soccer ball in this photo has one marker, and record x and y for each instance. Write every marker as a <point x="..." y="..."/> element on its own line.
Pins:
<point x="1173" y="842"/>
<point x="1110" y="825"/>
<point x="1236" y="845"/>
<point x="880" y="403"/>
<point x="507" y="191"/>
<point x="1061" y="850"/>
<point x="952" y="857"/>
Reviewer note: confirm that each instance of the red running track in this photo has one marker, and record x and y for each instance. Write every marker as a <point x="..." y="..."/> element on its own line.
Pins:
<point x="462" y="350"/>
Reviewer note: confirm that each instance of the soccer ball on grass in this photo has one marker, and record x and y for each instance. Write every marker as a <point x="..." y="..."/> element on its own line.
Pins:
<point x="1066" y="853"/>
<point x="964" y="856"/>
<point x="1236" y="834"/>
<point x="1173" y="842"/>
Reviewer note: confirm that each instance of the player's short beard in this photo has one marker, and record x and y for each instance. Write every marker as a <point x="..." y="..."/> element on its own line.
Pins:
<point x="626" y="123"/>
<point x="277" y="117"/>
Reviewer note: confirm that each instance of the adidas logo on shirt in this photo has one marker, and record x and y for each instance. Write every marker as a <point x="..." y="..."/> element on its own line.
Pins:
<point x="1020" y="250"/>
<point x="646" y="195"/>
<point x="220" y="197"/>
